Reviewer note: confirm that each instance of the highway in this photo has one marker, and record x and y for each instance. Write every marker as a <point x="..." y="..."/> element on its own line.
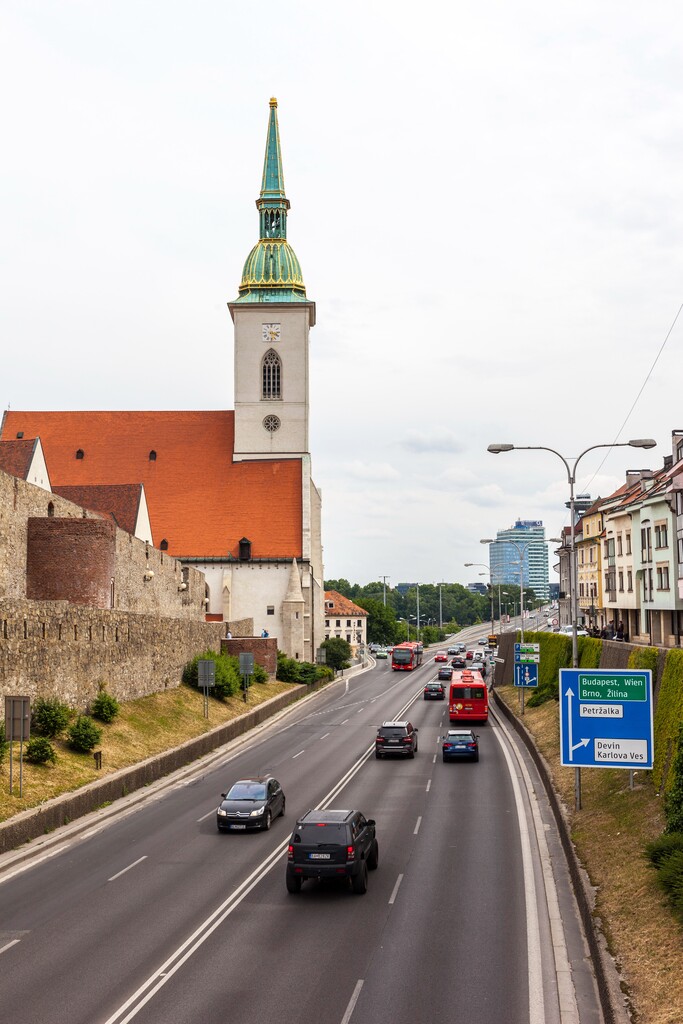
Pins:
<point x="154" y="916"/>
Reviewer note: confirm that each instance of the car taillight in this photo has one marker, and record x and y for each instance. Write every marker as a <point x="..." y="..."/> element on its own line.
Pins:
<point x="471" y="746"/>
<point x="380" y="739"/>
<point x="290" y="852"/>
<point x="407" y="739"/>
<point x="350" y="853"/>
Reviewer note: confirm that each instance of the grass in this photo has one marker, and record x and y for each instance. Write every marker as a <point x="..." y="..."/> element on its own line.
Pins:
<point x="143" y="728"/>
<point x="610" y="833"/>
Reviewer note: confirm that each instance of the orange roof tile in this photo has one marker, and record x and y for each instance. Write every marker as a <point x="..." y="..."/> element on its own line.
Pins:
<point x="198" y="499"/>
<point x="341" y="605"/>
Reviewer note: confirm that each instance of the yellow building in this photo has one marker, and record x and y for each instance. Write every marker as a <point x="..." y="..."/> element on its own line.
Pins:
<point x="589" y="575"/>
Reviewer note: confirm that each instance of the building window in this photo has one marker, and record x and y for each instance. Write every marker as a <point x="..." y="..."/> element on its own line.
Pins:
<point x="621" y="581"/>
<point x="628" y="543"/>
<point x="272" y="423"/>
<point x="245" y="549"/>
<point x="327" y="625"/>
<point x="271" y="376"/>
<point x="619" y="551"/>
<point x="662" y="577"/>
<point x="270" y="610"/>
<point x="348" y="622"/>
<point x="348" y="638"/>
<point x="359" y="622"/>
<point x="152" y="456"/>
<point x="338" y="623"/>
<point x="646" y="544"/>
<point x="50" y="510"/>
<point x="580" y="589"/>
<point x="629" y="580"/>
<point x="661" y="536"/>
<point x="164" y="545"/>
<point x="80" y="454"/>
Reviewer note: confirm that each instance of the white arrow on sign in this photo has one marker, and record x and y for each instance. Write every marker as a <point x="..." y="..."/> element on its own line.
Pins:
<point x="569" y="693"/>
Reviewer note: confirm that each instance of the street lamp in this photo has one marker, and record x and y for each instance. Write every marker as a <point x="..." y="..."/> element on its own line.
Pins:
<point x="638" y="442"/>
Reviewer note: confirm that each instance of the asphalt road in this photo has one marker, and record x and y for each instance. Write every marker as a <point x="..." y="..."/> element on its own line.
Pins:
<point x="156" y="917"/>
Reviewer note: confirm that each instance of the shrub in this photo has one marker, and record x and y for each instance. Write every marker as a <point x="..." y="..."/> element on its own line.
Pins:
<point x="668" y="716"/>
<point x="50" y="716"/>
<point x="291" y="671"/>
<point x="228" y="681"/>
<point x="338" y="652"/>
<point x="39" y="750"/>
<point x="260" y="674"/>
<point x="556" y="653"/>
<point x="664" y="846"/>
<point x="670" y="879"/>
<point x="105" y="707"/>
<point x="84" y="734"/>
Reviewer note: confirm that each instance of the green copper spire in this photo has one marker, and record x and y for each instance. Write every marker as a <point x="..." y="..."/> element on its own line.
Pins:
<point x="272" y="272"/>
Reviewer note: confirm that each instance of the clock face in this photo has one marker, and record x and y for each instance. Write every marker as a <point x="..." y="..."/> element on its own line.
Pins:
<point x="271" y="332"/>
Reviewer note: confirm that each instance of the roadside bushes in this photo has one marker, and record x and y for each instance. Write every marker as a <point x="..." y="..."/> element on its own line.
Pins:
<point x="228" y="678"/>
<point x="50" y="716"/>
<point x="666" y="852"/>
<point x="39" y="750"/>
<point x="84" y="734"/>
<point x="291" y="671"/>
<point x="556" y="653"/>
<point x="105" y="707"/>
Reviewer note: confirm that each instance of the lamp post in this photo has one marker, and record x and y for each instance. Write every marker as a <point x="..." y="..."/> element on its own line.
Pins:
<point x="468" y="565"/>
<point x="497" y="449"/>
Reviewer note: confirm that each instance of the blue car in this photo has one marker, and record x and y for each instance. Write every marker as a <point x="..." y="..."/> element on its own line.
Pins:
<point x="460" y="743"/>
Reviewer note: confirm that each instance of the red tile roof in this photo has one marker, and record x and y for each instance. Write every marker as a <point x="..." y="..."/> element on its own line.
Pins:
<point x="119" y="501"/>
<point x="341" y="605"/>
<point x="198" y="499"/>
<point x="16" y="456"/>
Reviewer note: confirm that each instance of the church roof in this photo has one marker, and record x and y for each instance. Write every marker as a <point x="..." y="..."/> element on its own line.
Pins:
<point x="199" y="501"/>
<point x="120" y="502"/>
<point x="272" y="272"/>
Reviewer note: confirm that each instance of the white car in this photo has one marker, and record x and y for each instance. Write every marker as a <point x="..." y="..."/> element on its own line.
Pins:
<point x="568" y="631"/>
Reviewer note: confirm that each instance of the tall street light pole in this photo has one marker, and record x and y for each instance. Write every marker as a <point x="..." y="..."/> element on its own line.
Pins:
<point x="468" y="565"/>
<point x="384" y="580"/>
<point x="497" y="449"/>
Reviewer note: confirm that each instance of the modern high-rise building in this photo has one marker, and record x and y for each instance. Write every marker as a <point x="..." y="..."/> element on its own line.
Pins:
<point x="525" y="542"/>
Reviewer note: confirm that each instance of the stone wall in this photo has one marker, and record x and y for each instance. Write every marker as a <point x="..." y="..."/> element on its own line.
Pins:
<point x="66" y="650"/>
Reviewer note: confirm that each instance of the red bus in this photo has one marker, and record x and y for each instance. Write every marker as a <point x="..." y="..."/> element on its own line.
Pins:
<point x="406" y="656"/>
<point x="468" y="698"/>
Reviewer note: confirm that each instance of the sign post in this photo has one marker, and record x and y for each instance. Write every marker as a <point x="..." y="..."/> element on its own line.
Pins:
<point x="246" y="671"/>
<point x="527" y="659"/>
<point x="606" y="718"/>
<point x="17" y="727"/>
<point x="206" y="673"/>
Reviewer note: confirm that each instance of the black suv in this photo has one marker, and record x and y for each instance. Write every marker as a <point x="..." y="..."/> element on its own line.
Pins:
<point x="332" y="844"/>
<point x="396" y="738"/>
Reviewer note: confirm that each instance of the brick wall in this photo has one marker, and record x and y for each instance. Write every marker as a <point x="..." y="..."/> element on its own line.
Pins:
<point x="71" y="560"/>
<point x="264" y="650"/>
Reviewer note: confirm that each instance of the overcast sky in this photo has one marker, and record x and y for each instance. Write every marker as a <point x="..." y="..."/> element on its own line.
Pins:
<point x="486" y="204"/>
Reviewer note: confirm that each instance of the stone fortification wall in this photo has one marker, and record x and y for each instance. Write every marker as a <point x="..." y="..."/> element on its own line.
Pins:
<point x="65" y="650"/>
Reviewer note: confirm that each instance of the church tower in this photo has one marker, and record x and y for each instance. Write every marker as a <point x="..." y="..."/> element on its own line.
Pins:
<point x="272" y="319"/>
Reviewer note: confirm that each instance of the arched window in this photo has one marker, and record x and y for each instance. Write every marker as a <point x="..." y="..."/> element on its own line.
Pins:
<point x="50" y="509"/>
<point x="271" y="376"/>
<point x="152" y="456"/>
<point x="164" y="545"/>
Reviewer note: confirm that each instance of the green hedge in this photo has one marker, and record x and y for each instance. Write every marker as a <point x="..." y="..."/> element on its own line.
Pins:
<point x="556" y="653"/>
<point x="667" y="719"/>
<point x="644" y="658"/>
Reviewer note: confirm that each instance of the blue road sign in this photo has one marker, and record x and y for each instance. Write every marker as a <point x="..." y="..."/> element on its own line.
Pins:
<point x="606" y="718"/>
<point x="526" y="675"/>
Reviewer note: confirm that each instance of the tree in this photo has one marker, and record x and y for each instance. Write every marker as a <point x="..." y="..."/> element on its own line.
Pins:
<point x="338" y="652"/>
<point x="382" y="625"/>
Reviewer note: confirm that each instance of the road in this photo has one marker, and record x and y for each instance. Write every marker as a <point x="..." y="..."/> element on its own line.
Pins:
<point x="155" y="917"/>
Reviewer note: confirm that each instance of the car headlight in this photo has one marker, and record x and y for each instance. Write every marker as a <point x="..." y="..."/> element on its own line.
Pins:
<point x="257" y="812"/>
<point x="222" y="813"/>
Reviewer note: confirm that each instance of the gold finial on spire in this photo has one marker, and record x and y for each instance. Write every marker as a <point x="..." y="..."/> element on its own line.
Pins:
<point x="273" y="101"/>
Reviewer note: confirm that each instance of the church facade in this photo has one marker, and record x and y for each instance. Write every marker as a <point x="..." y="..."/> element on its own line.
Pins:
<point x="229" y="493"/>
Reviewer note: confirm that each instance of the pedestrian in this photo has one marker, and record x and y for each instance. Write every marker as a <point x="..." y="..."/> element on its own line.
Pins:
<point x="620" y="630"/>
<point x="229" y="635"/>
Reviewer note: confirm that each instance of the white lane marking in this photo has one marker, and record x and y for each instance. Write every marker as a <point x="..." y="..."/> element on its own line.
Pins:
<point x="9" y="945"/>
<point x="294" y="756"/>
<point x="392" y="898"/>
<point x="345" y="721"/>
<point x="134" y="864"/>
<point x="158" y="979"/>
<point x="434" y="759"/>
<point x="569" y="1013"/>
<point x="325" y="736"/>
<point x="417" y="826"/>
<point x="533" y="933"/>
<point x="207" y="815"/>
<point x="92" y="832"/>
<point x="352" y="1002"/>
<point x="429" y="786"/>
<point x="359" y="710"/>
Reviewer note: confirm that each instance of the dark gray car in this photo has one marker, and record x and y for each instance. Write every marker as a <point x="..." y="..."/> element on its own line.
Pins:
<point x="250" y="804"/>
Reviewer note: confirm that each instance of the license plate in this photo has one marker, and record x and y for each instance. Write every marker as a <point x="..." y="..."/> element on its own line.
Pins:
<point x="238" y="826"/>
<point x="319" y="856"/>
<point x="393" y="742"/>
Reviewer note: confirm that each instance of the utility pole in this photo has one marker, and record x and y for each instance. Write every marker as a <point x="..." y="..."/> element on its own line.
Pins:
<point x="384" y="579"/>
<point x="440" y="612"/>
<point x="418" y="610"/>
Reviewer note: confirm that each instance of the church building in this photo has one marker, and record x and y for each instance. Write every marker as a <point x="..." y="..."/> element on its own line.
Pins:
<point x="228" y="492"/>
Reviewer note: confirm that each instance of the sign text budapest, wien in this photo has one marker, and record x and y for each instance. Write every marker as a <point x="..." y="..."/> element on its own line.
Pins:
<point x="606" y="718"/>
